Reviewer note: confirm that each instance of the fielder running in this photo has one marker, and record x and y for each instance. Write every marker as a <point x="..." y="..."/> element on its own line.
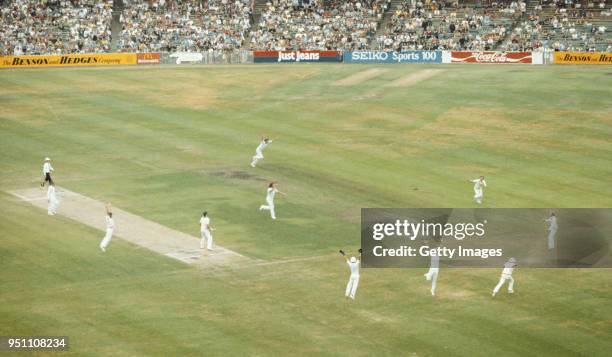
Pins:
<point x="46" y="171"/>
<point x="259" y="151"/>
<point x="506" y="275"/>
<point x="206" y="237"/>
<point x="479" y="184"/>
<point x="432" y="274"/>
<point x="351" y="286"/>
<point x="552" y="230"/>
<point x="272" y="191"/>
<point x="52" y="200"/>
<point x="110" y="226"/>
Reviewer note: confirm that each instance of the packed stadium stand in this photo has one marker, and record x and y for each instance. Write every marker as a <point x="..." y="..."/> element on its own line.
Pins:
<point x="166" y="25"/>
<point x="318" y="24"/>
<point x="44" y="27"/>
<point x="563" y="25"/>
<point x="81" y="26"/>
<point x="447" y="25"/>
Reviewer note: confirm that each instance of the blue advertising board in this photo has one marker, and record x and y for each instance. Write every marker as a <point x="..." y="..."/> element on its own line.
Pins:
<point x="393" y="57"/>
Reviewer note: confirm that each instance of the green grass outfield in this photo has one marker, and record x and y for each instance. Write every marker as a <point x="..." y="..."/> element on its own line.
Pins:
<point x="169" y="142"/>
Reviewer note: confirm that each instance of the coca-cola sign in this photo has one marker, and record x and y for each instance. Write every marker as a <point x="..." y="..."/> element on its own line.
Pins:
<point x="491" y="57"/>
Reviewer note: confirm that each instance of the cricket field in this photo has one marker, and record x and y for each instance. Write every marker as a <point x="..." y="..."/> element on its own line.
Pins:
<point x="166" y="143"/>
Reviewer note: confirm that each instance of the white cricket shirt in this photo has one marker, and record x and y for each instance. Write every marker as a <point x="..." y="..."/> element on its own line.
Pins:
<point x="478" y="185"/>
<point x="435" y="261"/>
<point x="110" y="223"/>
<point x="263" y="145"/>
<point x="354" y="268"/>
<point x="508" y="268"/>
<point x="552" y="223"/>
<point x="204" y="222"/>
<point x="47" y="168"/>
<point x="271" y="193"/>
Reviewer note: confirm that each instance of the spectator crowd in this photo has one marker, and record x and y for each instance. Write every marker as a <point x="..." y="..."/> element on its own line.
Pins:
<point x="447" y="25"/>
<point x="184" y="25"/>
<point x="55" y="26"/>
<point x="31" y="27"/>
<point x="344" y="24"/>
<point x="563" y="25"/>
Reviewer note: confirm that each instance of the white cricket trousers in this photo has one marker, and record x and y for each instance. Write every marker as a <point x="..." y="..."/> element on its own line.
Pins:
<point x="502" y="280"/>
<point x="351" y="286"/>
<point x="107" y="238"/>
<point x="432" y="275"/>
<point x="258" y="156"/>
<point x="478" y="196"/>
<point x="206" y="238"/>
<point x="551" y="238"/>
<point x="269" y="207"/>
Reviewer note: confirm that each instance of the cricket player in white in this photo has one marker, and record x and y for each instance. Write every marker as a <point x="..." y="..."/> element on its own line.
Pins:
<point x="552" y="230"/>
<point x="110" y="226"/>
<point x="272" y="191"/>
<point x="506" y="275"/>
<point x="353" y="283"/>
<point x="46" y="171"/>
<point x="432" y="274"/>
<point x="205" y="232"/>
<point x="479" y="184"/>
<point x="52" y="199"/>
<point x="259" y="151"/>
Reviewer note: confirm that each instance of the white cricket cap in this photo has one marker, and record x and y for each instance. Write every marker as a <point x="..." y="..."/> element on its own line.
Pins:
<point x="512" y="260"/>
<point x="353" y="259"/>
<point x="47" y="159"/>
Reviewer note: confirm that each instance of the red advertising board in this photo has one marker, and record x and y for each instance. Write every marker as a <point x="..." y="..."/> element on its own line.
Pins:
<point x="491" y="57"/>
<point x="297" y="56"/>
<point x="148" y="58"/>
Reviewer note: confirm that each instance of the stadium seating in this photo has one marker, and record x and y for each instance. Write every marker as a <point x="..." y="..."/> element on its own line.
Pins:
<point x="449" y="25"/>
<point x="318" y="25"/>
<point x="80" y="26"/>
<point x="572" y="25"/>
<point x="55" y="26"/>
<point x="191" y="25"/>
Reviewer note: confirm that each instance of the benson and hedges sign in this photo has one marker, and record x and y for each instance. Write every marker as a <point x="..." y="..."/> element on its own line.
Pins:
<point x="86" y="59"/>
<point x="583" y="58"/>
